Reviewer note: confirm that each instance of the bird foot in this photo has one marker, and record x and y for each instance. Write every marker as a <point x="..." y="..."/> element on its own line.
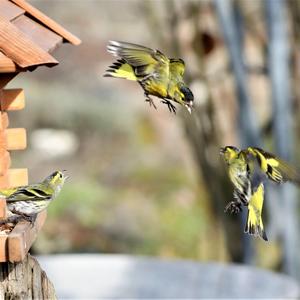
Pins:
<point x="151" y="102"/>
<point x="171" y="107"/>
<point x="233" y="207"/>
<point x="31" y="219"/>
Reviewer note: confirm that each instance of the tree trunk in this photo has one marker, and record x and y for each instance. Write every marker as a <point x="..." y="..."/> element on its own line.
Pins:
<point x="25" y="280"/>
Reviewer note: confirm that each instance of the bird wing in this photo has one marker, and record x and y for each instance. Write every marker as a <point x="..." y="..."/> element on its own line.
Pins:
<point x="144" y="59"/>
<point x="26" y="194"/>
<point x="275" y="168"/>
<point x="7" y="192"/>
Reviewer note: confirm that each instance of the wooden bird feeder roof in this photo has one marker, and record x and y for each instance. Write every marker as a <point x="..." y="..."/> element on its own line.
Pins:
<point x="27" y="37"/>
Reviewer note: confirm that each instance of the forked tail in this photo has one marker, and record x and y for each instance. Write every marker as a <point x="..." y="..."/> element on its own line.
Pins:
<point x="254" y="224"/>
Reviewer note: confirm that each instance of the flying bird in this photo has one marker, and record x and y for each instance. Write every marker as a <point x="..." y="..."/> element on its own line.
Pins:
<point x="248" y="170"/>
<point x="157" y="74"/>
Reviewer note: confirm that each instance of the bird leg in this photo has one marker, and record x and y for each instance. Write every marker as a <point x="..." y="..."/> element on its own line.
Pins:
<point x="171" y="107"/>
<point x="31" y="219"/>
<point x="233" y="207"/>
<point x="150" y="100"/>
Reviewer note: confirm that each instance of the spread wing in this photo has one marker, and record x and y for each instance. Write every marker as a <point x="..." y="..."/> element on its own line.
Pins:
<point x="275" y="168"/>
<point x="145" y="60"/>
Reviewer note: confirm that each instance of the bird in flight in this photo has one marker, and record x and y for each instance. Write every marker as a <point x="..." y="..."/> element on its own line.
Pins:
<point x="247" y="170"/>
<point x="157" y="74"/>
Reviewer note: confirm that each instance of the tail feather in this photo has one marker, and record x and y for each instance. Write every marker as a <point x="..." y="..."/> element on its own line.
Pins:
<point x="254" y="224"/>
<point x="120" y="69"/>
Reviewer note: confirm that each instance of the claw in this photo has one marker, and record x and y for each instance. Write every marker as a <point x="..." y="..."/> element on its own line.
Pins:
<point x="233" y="207"/>
<point x="151" y="102"/>
<point x="171" y="107"/>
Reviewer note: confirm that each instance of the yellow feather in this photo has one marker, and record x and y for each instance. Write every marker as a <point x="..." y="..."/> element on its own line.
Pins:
<point x="254" y="224"/>
<point x="124" y="71"/>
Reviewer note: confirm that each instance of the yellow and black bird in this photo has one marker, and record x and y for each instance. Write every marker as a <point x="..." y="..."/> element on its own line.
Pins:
<point x="247" y="170"/>
<point x="27" y="201"/>
<point x="158" y="75"/>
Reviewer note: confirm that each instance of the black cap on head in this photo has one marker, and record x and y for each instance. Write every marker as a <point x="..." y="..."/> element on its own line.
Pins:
<point x="188" y="95"/>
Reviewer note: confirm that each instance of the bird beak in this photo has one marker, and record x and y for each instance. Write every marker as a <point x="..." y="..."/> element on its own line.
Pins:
<point x="189" y="106"/>
<point x="222" y="151"/>
<point x="66" y="176"/>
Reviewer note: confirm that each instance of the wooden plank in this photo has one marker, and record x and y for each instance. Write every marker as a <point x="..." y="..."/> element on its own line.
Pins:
<point x="2" y="140"/>
<point x="15" y="139"/>
<point x="5" y="79"/>
<point x="3" y="247"/>
<point x="7" y="65"/>
<point x="12" y="99"/>
<point x="3" y="209"/>
<point x="17" y="177"/>
<point x="4" y="120"/>
<point x="22" y="237"/>
<point x="16" y="242"/>
<point x="18" y="47"/>
<point x="40" y="35"/>
<point x="10" y="10"/>
<point x="4" y="181"/>
<point x="5" y="162"/>
<point x="48" y="22"/>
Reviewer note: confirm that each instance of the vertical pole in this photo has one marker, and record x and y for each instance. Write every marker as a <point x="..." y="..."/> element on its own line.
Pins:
<point x="279" y="56"/>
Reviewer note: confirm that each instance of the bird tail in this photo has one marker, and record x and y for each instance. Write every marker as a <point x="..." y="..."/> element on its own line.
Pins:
<point x="254" y="224"/>
<point x="121" y="69"/>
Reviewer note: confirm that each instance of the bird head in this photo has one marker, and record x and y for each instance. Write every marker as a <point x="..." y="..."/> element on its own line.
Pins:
<point x="56" y="180"/>
<point x="229" y="153"/>
<point x="187" y="97"/>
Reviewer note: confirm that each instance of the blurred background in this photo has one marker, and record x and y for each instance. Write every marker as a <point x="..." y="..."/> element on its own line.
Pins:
<point x="149" y="182"/>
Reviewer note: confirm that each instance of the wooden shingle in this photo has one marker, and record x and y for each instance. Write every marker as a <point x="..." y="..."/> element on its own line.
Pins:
<point x="40" y="35"/>
<point x="27" y="36"/>
<point x="45" y="20"/>
<point x="9" y="10"/>
<point x="20" y="49"/>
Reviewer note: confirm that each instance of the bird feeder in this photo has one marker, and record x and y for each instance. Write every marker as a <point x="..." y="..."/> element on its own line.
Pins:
<point x="27" y="37"/>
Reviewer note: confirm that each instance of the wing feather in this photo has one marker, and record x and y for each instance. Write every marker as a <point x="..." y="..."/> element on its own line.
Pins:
<point x="31" y="194"/>
<point x="137" y="55"/>
<point x="275" y="168"/>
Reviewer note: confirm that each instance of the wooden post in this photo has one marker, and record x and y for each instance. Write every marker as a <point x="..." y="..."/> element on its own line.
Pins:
<point x="25" y="280"/>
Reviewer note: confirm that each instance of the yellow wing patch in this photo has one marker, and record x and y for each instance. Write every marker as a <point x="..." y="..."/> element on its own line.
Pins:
<point x="120" y="69"/>
<point x="275" y="168"/>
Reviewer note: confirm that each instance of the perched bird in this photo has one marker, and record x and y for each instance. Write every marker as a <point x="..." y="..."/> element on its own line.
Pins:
<point x="247" y="170"/>
<point x="28" y="201"/>
<point x="158" y="75"/>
